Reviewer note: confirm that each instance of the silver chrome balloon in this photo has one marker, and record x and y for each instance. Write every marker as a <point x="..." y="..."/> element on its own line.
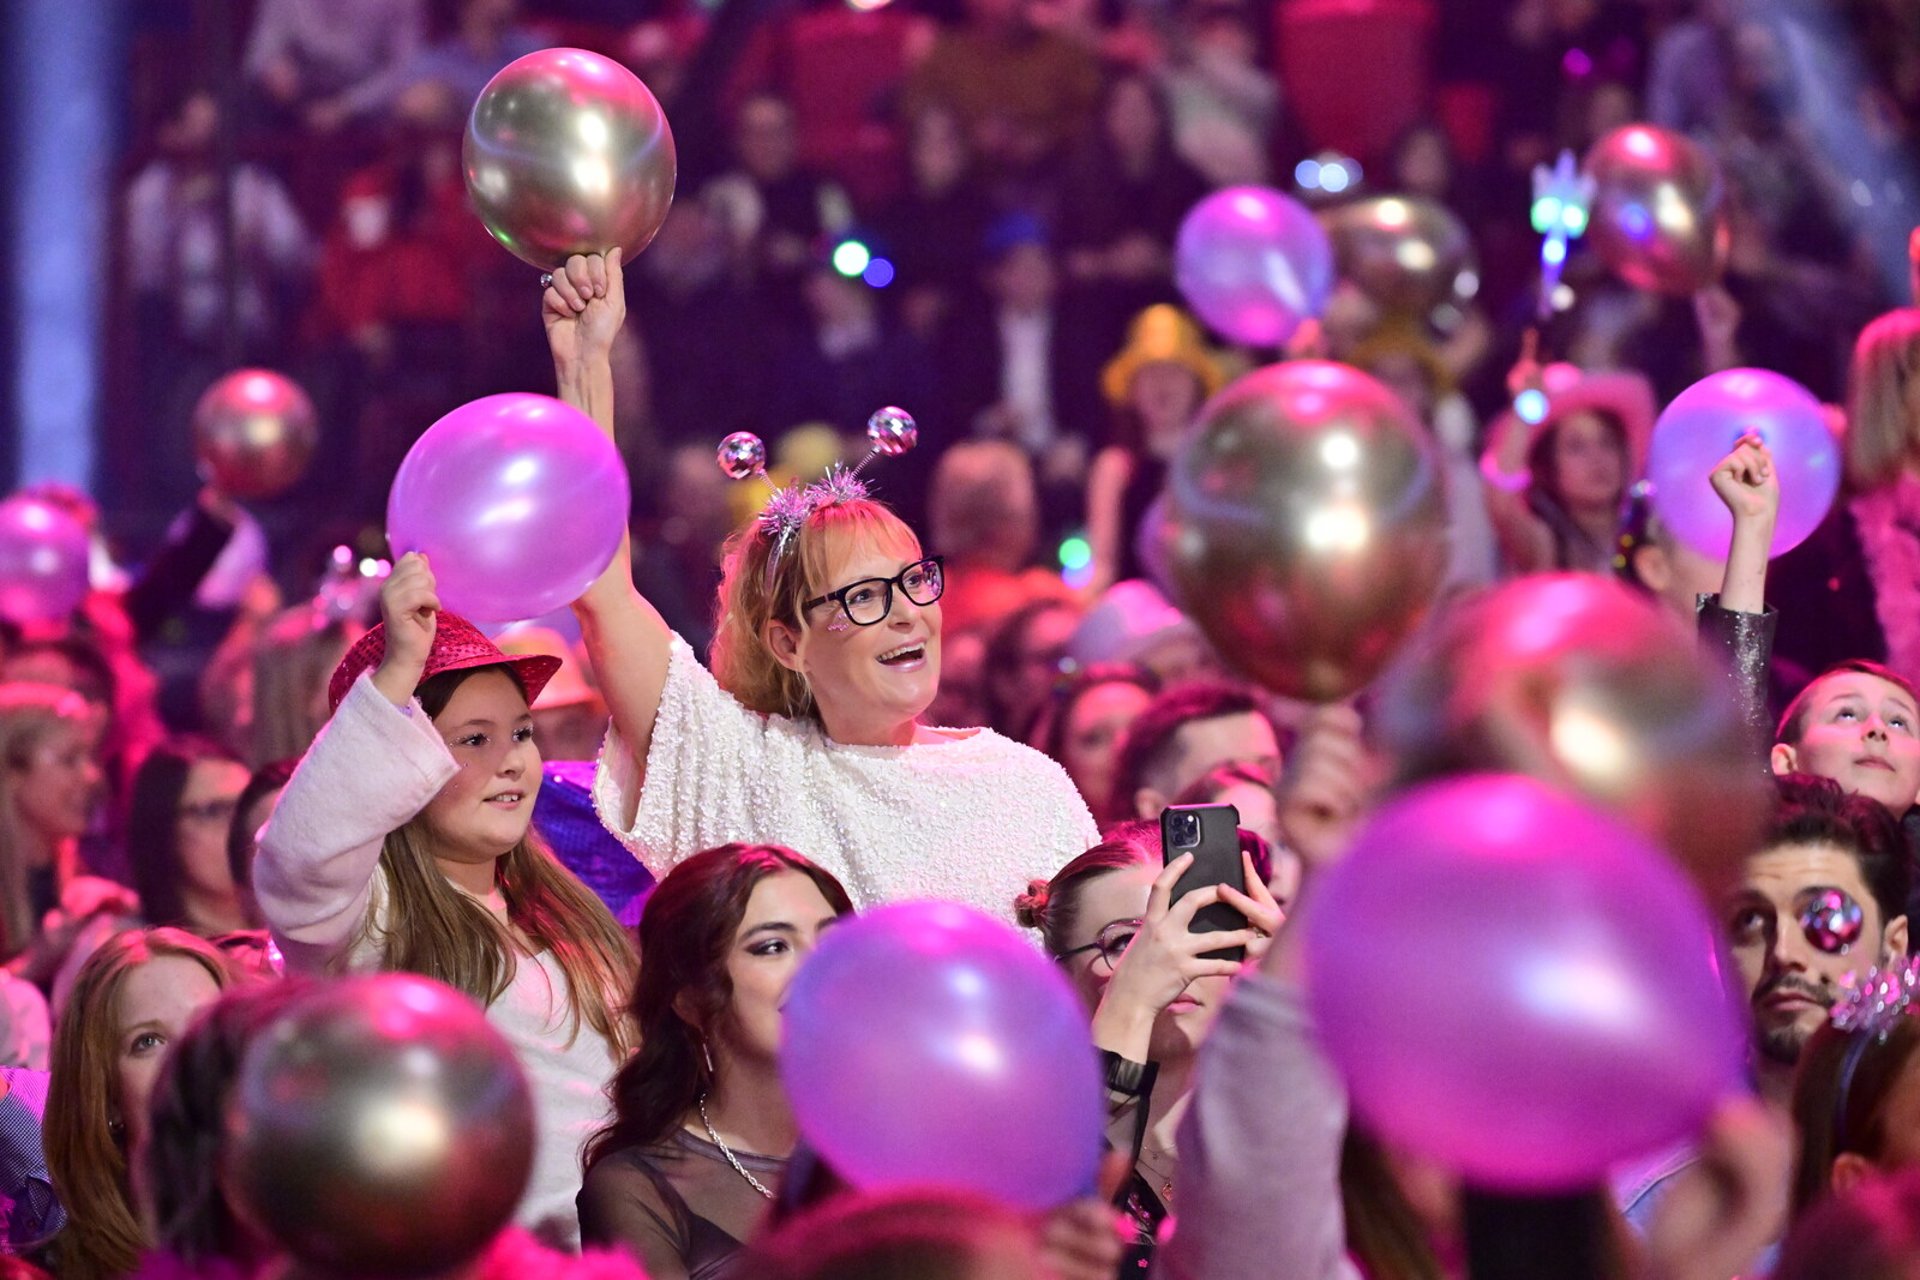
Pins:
<point x="567" y="152"/>
<point x="380" y="1128"/>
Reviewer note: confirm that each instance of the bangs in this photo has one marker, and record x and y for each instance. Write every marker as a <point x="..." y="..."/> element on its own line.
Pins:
<point x="837" y="534"/>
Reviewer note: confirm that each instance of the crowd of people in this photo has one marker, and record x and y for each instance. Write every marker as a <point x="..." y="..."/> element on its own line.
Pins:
<point x="622" y="829"/>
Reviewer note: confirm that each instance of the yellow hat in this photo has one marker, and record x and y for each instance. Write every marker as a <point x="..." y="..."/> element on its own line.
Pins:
<point x="1161" y="334"/>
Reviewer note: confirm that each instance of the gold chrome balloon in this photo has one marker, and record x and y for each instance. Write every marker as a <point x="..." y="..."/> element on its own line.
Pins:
<point x="1407" y="253"/>
<point x="567" y="152"/>
<point x="381" y="1127"/>
<point x="1306" y="528"/>
<point x="1658" y="219"/>
<point x="255" y="432"/>
<point x="1577" y="680"/>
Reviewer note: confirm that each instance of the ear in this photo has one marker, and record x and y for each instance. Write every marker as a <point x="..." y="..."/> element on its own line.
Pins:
<point x="1147" y="803"/>
<point x="783" y="642"/>
<point x="1894" y="938"/>
<point x="1651" y="566"/>
<point x="1784" y="759"/>
<point x="683" y="1009"/>
<point x="1850" y="1169"/>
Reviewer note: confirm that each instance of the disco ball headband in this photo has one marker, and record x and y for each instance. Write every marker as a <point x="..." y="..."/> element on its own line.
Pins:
<point x="743" y="455"/>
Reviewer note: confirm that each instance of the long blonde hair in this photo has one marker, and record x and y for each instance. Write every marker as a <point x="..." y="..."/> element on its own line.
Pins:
<point x="434" y="929"/>
<point x="85" y="1146"/>
<point x="28" y="714"/>
<point x="749" y="602"/>
<point x="1883" y="399"/>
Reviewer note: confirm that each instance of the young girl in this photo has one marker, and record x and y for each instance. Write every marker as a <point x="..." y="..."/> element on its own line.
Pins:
<point x="402" y="842"/>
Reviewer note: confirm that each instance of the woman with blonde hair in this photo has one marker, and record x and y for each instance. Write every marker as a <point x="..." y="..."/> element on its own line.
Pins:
<point x="807" y="730"/>
<point x="133" y="997"/>
<point x="403" y="841"/>
<point x="1852" y="590"/>
<point x="50" y="783"/>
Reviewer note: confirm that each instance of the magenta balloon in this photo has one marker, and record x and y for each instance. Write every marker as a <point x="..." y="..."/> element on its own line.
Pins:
<point x="1701" y="427"/>
<point x="1518" y="986"/>
<point x="1253" y="264"/>
<point x="927" y="1044"/>
<point x="519" y="502"/>
<point x="43" y="561"/>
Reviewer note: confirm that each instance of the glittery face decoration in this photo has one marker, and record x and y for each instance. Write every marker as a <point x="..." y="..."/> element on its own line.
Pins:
<point x="1831" y="919"/>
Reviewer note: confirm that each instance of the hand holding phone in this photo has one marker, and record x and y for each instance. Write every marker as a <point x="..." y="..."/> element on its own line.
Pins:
<point x="1211" y="834"/>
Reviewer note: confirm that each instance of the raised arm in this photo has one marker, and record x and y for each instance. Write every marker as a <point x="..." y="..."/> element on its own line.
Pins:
<point x="1746" y="481"/>
<point x="627" y="639"/>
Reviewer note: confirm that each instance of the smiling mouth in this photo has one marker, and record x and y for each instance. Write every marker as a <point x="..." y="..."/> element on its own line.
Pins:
<point x="904" y="655"/>
<point x="507" y="799"/>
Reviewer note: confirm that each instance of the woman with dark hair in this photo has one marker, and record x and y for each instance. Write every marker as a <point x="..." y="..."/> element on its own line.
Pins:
<point x="1854" y="1090"/>
<point x="1023" y="663"/>
<point x="1109" y="919"/>
<point x="184" y="798"/>
<point x="1557" y="488"/>
<point x="1083" y="724"/>
<point x="1121" y="207"/>
<point x="250" y="814"/>
<point x="702" y="1129"/>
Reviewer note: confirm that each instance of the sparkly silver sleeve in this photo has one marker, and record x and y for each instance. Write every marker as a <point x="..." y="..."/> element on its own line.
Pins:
<point x="1743" y="644"/>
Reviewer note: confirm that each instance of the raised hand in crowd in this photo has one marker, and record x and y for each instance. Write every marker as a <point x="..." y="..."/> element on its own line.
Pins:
<point x="1164" y="956"/>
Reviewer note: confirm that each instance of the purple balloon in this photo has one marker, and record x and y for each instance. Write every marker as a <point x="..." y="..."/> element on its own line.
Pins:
<point x="519" y="501"/>
<point x="43" y="561"/>
<point x="927" y="1044"/>
<point x="1253" y="264"/>
<point x="1518" y="986"/>
<point x="1701" y="427"/>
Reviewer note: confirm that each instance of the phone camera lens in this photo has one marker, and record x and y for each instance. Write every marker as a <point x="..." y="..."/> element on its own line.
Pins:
<point x="1186" y="830"/>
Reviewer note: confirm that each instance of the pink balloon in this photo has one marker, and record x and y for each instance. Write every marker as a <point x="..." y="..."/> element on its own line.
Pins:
<point x="1701" y="427"/>
<point x="43" y="561"/>
<point x="519" y="502"/>
<point x="1253" y="264"/>
<point x="927" y="1044"/>
<point x="1518" y="986"/>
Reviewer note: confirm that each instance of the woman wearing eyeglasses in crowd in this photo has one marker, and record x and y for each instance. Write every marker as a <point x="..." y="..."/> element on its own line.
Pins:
<point x="1109" y="918"/>
<point x="184" y="797"/>
<point x="807" y="730"/>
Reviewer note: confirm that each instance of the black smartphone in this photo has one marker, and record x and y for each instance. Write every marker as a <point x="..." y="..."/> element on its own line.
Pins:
<point x="1211" y="833"/>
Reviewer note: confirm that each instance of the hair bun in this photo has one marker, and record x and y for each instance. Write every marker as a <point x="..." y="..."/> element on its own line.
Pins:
<point x="1030" y="908"/>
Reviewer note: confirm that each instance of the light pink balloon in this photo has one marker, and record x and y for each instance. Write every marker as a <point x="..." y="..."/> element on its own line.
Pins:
<point x="1518" y="986"/>
<point x="518" y="501"/>
<point x="43" y="561"/>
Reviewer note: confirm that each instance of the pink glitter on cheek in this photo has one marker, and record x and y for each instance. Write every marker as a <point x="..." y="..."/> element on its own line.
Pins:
<point x="839" y="624"/>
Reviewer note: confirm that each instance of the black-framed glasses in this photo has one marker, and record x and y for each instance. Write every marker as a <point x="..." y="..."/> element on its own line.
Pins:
<point x="869" y="601"/>
<point x="1111" y="942"/>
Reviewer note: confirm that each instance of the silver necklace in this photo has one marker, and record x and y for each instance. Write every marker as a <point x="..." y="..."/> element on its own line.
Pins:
<point x="728" y="1152"/>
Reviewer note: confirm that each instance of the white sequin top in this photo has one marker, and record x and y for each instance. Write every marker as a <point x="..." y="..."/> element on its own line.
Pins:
<point x="971" y="819"/>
